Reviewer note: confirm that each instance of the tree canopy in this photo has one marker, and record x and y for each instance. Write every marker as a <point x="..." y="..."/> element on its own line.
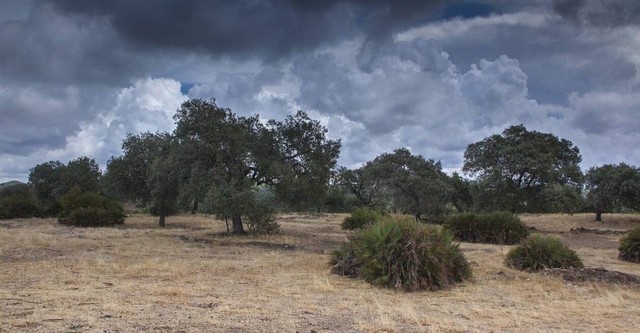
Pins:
<point x="512" y="169"/>
<point x="613" y="187"/>
<point x="216" y="155"/>
<point x="50" y="180"/>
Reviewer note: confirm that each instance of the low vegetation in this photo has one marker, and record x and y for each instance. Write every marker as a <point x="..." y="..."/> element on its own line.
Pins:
<point x="629" y="249"/>
<point x="402" y="254"/>
<point x="492" y="228"/>
<point x="141" y="278"/>
<point x="359" y="218"/>
<point x="539" y="252"/>
<point x="87" y="209"/>
<point x="17" y="201"/>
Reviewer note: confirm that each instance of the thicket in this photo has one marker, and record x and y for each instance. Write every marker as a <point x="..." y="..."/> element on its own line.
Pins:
<point x="538" y="252"/>
<point x="629" y="249"/>
<point x="18" y="202"/>
<point x="492" y="228"/>
<point x="88" y="209"/>
<point x="361" y="217"/>
<point x="402" y="254"/>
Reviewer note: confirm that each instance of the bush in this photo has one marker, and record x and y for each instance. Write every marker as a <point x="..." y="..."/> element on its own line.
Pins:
<point x="18" y="202"/>
<point x="630" y="246"/>
<point x="85" y="209"/>
<point x="402" y="254"/>
<point x="360" y="218"/>
<point x="262" y="220"/>
<point x="493" y="228"/>
<point x="537" y="253"/>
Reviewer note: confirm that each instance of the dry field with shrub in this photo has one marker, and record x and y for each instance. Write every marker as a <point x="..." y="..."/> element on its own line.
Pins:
<point x="190" y="277"/>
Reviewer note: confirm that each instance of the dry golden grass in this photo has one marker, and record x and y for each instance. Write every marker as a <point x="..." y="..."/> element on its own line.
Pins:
<point x="188" y="277"/>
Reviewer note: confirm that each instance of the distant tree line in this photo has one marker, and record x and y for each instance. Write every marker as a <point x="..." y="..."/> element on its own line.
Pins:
<point x="244" y="169"/>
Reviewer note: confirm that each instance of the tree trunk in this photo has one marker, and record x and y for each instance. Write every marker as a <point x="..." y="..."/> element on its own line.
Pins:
<point x="163" y="214"/>
<point x="418" y="216"/>
<point x="194" y="209"/>
<point x="236" y="221"/>
<point x="598" y="215"/>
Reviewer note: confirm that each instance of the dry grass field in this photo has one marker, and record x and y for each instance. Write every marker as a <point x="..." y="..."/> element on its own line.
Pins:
<point x="190" y="277"/>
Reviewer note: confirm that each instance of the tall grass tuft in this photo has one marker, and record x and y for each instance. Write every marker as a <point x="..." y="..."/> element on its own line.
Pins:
<point x="629" y="249"/>
<point x="402" y="254"/>
<point x="538" y="252"/>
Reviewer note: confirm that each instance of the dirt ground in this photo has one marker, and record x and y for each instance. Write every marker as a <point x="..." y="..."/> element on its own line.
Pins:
<point x="191" y="277"/>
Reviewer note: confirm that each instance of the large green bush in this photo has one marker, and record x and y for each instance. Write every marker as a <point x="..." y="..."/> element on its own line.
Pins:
<point x="360" y="218"/>
<point x="538" y="252"/>
<point x="629" y="249"/>
<point x="86" y="209"/>
<point x="492" y="228"/>
<point x="402" y="254"/>
<point x="18" y="202"/>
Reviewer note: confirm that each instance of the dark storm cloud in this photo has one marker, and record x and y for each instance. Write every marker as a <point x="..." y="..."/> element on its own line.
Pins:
<point x="600" y="13"/>
<point x="557" y="59"/>
<point x="49" y="48"/>
<point x="262" y="29"/>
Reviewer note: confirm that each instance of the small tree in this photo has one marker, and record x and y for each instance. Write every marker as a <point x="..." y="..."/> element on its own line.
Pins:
<point x="612" y="187"/>
<point x="415" y="184"/>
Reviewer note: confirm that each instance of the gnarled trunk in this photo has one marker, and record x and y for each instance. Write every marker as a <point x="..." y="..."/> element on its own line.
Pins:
<point x="236" y="225"/>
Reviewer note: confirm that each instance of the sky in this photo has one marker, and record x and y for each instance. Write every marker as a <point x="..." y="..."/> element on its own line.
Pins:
<point x="434" y="76"/>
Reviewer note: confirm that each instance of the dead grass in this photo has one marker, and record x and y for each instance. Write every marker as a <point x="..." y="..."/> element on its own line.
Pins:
<point x="189" y="277"/>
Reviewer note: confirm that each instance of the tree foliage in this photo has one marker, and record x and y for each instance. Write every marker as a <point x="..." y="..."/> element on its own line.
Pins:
<point x="416" y="185"/>
<point x="240" y="153"/>
<point x="222" y="158"/>
<point x="512" y="169"/>
<point x="50" y="180"/>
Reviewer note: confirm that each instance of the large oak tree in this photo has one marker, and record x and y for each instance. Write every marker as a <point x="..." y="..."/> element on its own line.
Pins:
<point x="513" y="168"/>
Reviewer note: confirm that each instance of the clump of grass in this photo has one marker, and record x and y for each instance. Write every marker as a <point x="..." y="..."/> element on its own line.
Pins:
<point x="402" y="254"/>
<point x="492" y="228"/>
<point x="360" y="218"/>
<point x="629" y="249"/>
<point x="537" y="253"/>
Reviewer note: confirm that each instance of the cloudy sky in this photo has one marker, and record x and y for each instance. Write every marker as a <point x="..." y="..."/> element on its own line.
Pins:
<point x="76" y="76"/>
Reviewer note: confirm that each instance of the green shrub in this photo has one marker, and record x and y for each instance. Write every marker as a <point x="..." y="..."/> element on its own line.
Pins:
<point x="18" y="202"/>
<point x="262" y="220"/>
<point x="402" y="254"/>
<point x="492" y="228"/>
<point x="537" y="253"/>
<point x="630" y="246"/>
<point x="86" y="209"/>
<point x="360" y="218"/>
